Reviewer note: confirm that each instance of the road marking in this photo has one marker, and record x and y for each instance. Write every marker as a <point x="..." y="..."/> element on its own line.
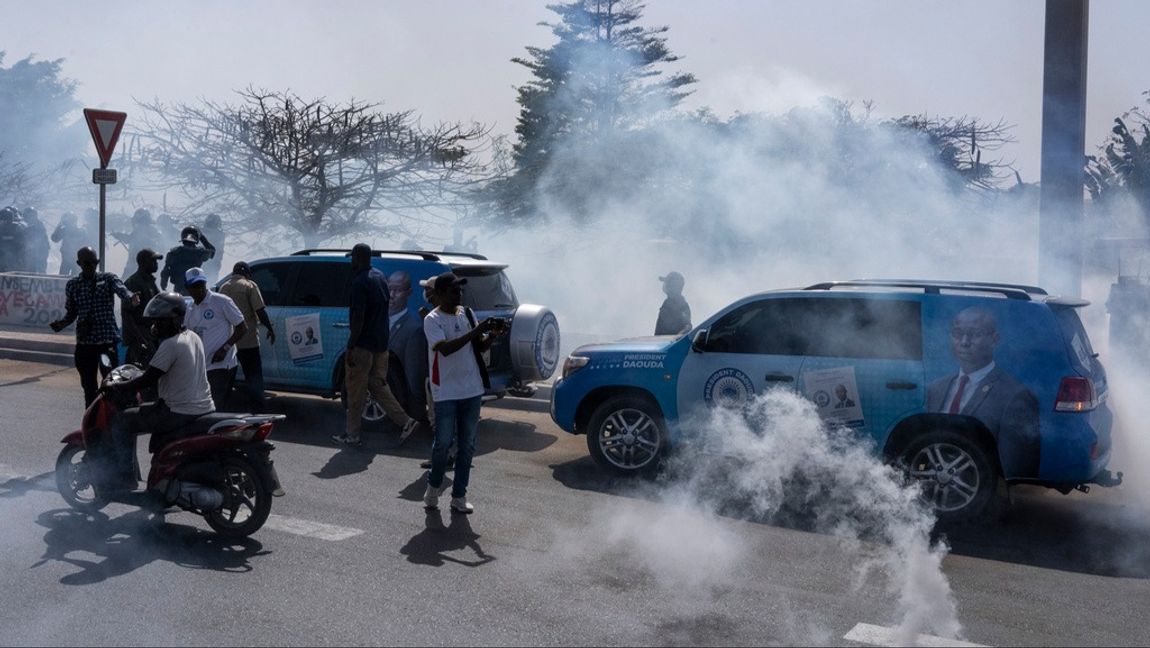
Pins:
<point x="877" y="635"/>
<point x="310" y="529"/>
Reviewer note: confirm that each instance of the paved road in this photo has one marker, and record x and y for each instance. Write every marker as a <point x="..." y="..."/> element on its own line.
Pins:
<point x="556" y="554"/>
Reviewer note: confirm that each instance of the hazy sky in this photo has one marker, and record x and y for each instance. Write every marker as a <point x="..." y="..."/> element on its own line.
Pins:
<point x="449" y="60"/>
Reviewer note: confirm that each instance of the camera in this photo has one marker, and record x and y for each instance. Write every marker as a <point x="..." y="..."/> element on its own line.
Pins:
<point x="500" y="323"/>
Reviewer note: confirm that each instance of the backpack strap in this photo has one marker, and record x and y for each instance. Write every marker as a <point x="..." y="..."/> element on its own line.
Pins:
<point x="476" y="351"/>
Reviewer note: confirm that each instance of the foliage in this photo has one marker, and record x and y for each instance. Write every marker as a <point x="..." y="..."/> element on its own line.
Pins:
<point x="1121" y="174"/>
<point x="320" y="169"/>
<point x="600" y="77"/>
<point x="37" y="131"/>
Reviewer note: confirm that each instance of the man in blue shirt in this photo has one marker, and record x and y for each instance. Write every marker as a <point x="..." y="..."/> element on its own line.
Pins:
<point x="89" y="301"/>
<point x="365" y="363"/>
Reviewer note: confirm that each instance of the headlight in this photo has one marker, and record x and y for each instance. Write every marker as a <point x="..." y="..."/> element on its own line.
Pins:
<point x="574" y="363"/>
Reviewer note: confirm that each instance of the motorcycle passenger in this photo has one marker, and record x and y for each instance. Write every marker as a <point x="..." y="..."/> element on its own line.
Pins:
<point x="178" y="369"/>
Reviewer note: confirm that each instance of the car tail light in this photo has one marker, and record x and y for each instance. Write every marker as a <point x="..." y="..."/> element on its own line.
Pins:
<point x="1076" y="394"/>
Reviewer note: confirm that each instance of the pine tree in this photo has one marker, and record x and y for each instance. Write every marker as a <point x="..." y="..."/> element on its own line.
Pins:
<point x="600" y="78"/>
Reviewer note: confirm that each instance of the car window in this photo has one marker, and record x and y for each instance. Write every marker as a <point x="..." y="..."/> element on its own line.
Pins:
<point x="322" y="285"/>
<point x="770" y="327"/>
<point x="845" y="328"/>
<point x="889" y="329"/>
<point x="487" y="288"/>
<point x="272" y="278"/>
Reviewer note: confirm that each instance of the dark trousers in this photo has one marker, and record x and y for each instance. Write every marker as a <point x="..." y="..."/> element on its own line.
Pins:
<point x="253" y="368"/>
<point x="455" y="420"/>
<point x="220" y="381"/>
<point x="87" y="359"/>
<point x="155" y="418"/>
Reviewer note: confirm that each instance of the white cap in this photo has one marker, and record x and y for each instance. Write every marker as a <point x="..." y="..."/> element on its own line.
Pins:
<point x="194" y="275"/>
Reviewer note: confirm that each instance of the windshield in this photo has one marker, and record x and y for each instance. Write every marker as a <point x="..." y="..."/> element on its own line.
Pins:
<point x="487" y="289"/>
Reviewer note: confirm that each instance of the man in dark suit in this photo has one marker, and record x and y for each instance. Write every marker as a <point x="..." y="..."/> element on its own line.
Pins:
<point x="980" y="389"/>
<point x="409" y="345"/>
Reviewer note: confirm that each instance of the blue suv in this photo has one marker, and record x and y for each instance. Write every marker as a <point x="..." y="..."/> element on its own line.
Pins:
<point x="966" y="386"/>
<point x="307" y="300"/>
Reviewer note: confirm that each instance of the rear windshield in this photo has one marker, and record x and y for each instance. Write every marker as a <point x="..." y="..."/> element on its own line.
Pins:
<point x="487" y="288"/>
<point x="1075" y="334"/>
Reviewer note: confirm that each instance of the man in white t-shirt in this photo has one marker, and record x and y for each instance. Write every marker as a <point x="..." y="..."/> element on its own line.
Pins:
<point x="178" y="370"/>
<point x="220" y="324"/>
<point x="455" y="344"/>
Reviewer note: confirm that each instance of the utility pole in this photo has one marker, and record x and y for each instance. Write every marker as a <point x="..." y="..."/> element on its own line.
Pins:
<point x="1060" y="217"/>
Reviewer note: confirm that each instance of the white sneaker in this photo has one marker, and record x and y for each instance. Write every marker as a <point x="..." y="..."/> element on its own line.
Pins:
<point x="461" y="505"/>
<point x="431" y="496"/>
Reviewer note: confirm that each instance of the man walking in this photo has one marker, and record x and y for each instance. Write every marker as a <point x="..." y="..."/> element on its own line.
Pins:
<point x="138" y="337"/>
<point x="365" y="362"/>
<point x="247" y="296"/>
<point x="220" y="324"/>
<point x="458" y="381"/>
<point x="88" y="300"/>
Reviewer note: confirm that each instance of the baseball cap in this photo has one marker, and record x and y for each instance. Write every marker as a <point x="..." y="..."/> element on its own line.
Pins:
<point x="194" y="275"/>
<point x="241" y="268"/>
<point x="446" y="280"/>
<point x="148" y="253"/>
<point x="672" y="276"/>
<point x="427" y="283"/>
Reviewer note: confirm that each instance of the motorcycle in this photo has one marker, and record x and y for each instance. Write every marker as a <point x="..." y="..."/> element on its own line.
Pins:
<point x="220" y="469"/>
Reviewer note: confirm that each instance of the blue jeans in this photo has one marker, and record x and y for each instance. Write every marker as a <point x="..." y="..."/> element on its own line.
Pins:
<point x="458" y="420"/>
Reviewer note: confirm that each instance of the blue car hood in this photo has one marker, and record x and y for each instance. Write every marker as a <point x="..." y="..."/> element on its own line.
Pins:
<point x="651" y="344"/>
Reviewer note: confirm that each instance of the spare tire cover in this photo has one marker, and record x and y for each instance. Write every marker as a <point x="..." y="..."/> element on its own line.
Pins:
<point x="534" y="342"/>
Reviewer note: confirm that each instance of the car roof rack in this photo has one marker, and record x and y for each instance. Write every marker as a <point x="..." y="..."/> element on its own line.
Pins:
<point x="424" y="254"/>
<point x="1010" y="291"/>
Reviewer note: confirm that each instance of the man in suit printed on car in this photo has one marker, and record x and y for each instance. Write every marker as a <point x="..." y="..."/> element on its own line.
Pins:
<point x="408" y="344"/>
<point x="982" y="390"/>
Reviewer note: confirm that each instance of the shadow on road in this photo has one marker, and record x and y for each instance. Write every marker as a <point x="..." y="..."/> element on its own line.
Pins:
<point x="312" y="421"/>
<point x="20" y="486"/>
<point x="435" y="542"/>
<point x="1068" y="533"/>
<point x="131" y="541"/>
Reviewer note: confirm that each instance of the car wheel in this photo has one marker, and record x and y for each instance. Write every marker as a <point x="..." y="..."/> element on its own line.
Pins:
<point x="626" y="435"/>
<point x="958" y="476"/>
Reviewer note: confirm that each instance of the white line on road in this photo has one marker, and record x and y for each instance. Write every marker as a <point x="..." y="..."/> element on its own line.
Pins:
<point x="310" y="529"/>
<point x="877" y="635"/>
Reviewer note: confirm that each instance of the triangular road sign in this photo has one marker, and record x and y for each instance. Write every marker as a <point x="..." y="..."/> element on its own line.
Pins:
<point x="105" y="126"/>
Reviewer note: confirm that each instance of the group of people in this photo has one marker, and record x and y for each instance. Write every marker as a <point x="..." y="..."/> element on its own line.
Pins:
<point x="25" y="243"/>
<point x="454" y="342"/>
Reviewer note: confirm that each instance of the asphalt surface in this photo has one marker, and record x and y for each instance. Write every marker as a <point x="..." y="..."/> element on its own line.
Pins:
<point x="557" y="553"/>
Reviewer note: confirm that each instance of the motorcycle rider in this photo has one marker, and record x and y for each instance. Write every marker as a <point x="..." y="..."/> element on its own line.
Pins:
<point x="178" y="369"/>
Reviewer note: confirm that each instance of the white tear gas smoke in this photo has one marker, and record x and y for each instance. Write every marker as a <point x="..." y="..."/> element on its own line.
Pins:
<point x="754" y="203"/>
<point x="776" y="460"/>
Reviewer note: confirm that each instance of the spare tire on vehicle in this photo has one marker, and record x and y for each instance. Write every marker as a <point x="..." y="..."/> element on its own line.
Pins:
<point x="534" y="343"/>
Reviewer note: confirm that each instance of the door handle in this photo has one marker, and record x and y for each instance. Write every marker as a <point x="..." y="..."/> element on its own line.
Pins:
<point x="901" y="385"/>
<point x="778" y="377"/>
<point x="341" y="325"/>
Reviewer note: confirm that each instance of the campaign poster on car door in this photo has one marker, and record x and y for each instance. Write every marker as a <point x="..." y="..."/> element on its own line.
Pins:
<point x="304" y="342"/>
<point x="835" y="392"/>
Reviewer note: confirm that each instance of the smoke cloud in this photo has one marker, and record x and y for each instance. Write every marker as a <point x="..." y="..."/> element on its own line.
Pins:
<point x="775" y="462"/>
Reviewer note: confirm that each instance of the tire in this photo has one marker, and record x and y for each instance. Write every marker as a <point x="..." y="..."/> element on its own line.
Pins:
<point x="247" y="500"/>
<point x="959" y="477"/>
<point x="74" y="480"/>
<point x="626" y="435"/>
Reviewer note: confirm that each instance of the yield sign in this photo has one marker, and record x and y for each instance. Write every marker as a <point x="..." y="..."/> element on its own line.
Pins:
<point x="105" y="126"/>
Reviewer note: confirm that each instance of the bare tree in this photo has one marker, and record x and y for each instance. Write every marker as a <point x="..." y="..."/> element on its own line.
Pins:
<point x="15" y="182"/>
<point x="959" y="143"/>
<point x="322" y="170"/>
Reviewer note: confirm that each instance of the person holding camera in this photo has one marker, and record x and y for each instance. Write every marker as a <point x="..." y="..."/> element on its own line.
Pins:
<point x="89" y="301"/>
<point x="458" y="380"/>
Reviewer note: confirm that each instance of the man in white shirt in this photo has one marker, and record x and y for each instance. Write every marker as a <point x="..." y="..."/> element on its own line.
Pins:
<point x="458" y="380"/>
<point x="178" y="369"/>
<point x="220" y="324"/>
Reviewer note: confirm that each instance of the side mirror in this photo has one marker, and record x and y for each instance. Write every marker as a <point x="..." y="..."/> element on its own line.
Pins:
<point x="699" y="341"/>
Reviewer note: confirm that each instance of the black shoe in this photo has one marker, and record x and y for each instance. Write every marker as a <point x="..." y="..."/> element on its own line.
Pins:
<point x="426" y="465"/>
<point x="344" y="439"/>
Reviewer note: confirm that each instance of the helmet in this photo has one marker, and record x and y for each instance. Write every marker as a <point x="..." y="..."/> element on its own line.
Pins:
<point x="9" y="215"/>
<point x="165" y="305"/>
<point x="142" y="216"/>
<point x="213" y="220"/>
<point x="30" y="214"/>
<point x="190" y="233"/>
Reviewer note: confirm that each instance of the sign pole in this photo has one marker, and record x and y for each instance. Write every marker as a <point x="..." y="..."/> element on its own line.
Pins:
<point x="105" y="126"/>
<point x="103" y="189"/>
